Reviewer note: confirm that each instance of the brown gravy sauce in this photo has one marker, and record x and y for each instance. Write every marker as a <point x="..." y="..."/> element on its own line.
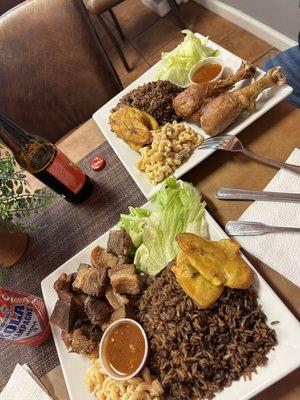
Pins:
<point x="124" y="348"/>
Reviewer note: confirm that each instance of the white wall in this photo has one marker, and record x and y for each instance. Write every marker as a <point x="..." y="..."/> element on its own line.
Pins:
<point x="271" y="20"/>
<point x="281" y="15"/>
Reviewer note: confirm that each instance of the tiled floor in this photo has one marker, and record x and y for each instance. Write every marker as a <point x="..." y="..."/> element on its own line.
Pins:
<point x="148" y="35"/>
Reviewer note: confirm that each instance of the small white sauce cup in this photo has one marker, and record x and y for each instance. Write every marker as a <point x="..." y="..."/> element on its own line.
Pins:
<point x="208" y="60"/>
<point x="111" y="372"/>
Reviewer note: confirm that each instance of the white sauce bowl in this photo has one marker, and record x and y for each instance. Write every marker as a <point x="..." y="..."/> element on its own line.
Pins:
<point x="208" y="60"/>
<point x="111" y="372"/>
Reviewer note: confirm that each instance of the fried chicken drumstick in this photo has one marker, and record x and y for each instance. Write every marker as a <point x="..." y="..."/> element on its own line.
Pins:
<point x="223" y="110"/>
<point x="189" y="103"/>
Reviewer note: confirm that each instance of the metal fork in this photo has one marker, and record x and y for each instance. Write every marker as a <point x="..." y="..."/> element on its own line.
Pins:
<point x="232" y="143"/>
<point x="246" y="228"/>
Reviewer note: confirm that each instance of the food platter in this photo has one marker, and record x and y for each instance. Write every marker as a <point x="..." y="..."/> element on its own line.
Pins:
<point x="268" y="99"/>
<point x="284" y="359"/>
<point x="199" y="319"/>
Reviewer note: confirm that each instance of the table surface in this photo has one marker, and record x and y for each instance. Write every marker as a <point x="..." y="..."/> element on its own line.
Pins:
<point x="274" y="135"/>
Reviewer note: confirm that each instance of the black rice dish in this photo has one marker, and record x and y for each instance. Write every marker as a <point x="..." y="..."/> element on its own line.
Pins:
<point x="196" y="353"/>
<point x="155" y="98"/>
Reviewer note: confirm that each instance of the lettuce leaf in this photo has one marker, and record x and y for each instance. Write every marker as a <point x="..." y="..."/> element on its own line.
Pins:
<point x="176" y="64"/>
<point x="134" y="224"/>
<point x="178" y="209"/>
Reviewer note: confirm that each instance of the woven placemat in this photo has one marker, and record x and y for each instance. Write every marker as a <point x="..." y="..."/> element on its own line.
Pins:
<point x="69" y="229"/>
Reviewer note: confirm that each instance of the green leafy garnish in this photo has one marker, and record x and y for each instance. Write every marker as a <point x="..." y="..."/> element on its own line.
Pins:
<point x="178" y="209"/>
<point x="175" y="65"/>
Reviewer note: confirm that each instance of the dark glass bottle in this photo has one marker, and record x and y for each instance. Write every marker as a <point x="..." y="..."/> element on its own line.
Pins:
<point x="46" y="162"/>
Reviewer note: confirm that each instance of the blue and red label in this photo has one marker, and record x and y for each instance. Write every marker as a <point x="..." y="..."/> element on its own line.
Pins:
<point x="23" y="318"/>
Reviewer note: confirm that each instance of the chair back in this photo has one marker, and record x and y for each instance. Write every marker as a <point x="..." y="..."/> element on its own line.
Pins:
<point x="54" y="72"/>
<point x="5" y="5"/>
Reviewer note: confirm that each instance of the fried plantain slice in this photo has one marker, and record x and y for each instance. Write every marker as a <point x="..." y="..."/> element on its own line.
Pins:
<point x="133" y="125"/>
<point x="239" y="274"/>
<point x="150" y="122"/>
<point x="203" y="292"/>
<point x="135" y="147"/>
<point x="218" y="261"/>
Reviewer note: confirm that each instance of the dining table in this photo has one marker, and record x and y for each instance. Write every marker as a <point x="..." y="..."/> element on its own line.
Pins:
<point x="275" y="135"/>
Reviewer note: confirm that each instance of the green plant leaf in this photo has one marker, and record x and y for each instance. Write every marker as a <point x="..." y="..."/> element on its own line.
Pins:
<point x="20" y="189"/>
<point x="16" y="199"/>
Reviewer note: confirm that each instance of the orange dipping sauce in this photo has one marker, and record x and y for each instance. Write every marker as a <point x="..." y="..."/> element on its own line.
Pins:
<point x="206" y="73"/>
<point x="125" y="348"/>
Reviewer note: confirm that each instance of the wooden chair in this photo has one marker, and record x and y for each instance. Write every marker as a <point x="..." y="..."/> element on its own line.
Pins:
<point x="54" y="72"/>
<point x="99" y="7"/>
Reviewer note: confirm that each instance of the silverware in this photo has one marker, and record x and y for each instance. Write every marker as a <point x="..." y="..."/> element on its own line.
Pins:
<point x="246" y="228"/>
<point x="232" y="143"/>
<point x="243" y="194"/>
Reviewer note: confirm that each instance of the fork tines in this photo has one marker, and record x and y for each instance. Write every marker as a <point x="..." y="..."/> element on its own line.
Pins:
<point x="219" y="138"/>
<point x="214" y="141"/>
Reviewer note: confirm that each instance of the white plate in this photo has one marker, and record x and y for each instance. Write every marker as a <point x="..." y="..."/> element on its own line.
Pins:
<point x="268" y="99"/>
<point x="282" y="361"/>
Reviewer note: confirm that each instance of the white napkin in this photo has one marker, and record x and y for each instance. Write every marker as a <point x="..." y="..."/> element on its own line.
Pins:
<point x="281" y="251"/>
<point x="24" y="385"/>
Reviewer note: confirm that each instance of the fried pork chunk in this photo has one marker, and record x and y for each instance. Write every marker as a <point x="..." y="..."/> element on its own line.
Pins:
<point x="124" y="260"/>
<point x="116" y="300"/>
<point x="119" y="242"/>
<point x="124" y="279"/>
<point x="96" y="295"/>
<point x="83" y="340"/>
<point x="125" y="311"/>
<point x="91" y="281"/>
<point x="68" y="309"/>
<point x="97" y="310"/>
<point x="100" y="258"/>
<point x="64" y="284"/>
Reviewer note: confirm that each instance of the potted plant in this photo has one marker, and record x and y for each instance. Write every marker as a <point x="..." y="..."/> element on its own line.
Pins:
<point x="17" y="201"/>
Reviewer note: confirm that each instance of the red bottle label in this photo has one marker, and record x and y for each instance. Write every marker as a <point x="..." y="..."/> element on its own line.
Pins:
<point x="67" y="172"/>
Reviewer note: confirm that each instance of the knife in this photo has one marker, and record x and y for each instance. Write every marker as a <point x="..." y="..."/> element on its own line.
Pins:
<point x="243" y="194"/>
<point x="247" y="228"/>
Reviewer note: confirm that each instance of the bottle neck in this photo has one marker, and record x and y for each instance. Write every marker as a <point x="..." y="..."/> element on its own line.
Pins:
<point x="16" y="142"/>
<point x="32" y="152"/>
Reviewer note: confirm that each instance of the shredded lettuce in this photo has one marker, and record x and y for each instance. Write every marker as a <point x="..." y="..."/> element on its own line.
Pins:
<point x="178" y="209"/>
<point x="176" y="64"/>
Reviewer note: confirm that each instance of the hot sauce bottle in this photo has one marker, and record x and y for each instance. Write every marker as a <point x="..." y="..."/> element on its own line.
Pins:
<point x="23" y="318"/>
<point x="46" y="162"/>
